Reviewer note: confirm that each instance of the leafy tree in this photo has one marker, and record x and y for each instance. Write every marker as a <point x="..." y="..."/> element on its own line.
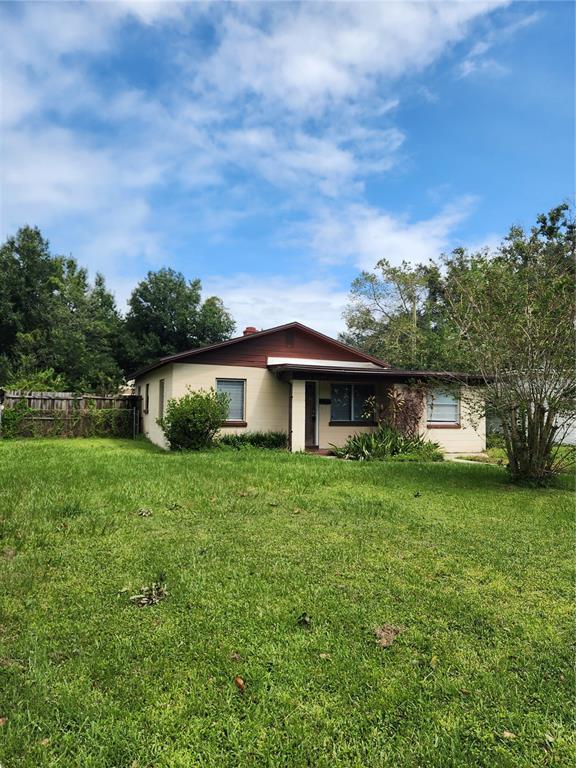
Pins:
<point x="166" y="315"/>
<point x="399" y="315"/>
<point x="506" y="316"/>
<point x="515" y="311"/>
<point x="28" y="275"/>
<point x="53" y="320"/>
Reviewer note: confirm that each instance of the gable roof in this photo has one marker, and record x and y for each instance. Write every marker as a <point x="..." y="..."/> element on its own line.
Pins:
<point x="184" y="356"/>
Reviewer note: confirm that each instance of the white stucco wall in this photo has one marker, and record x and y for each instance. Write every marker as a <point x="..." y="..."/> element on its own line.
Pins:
<point x="266" y="398"/>
<point x="267" y="404"/>
<point x="151" y="429"/>
<point x="469" y="437"/>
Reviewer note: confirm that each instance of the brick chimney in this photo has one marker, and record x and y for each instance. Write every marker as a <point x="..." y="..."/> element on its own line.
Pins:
<point x="250" y="330"/>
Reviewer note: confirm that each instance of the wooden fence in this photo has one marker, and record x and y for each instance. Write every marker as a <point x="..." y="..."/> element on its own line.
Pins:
<point x="68" y="414"/>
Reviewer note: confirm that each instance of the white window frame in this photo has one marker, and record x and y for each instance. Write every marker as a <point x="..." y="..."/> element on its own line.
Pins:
<point x="434" y="395"/>
<point x="236" y="381"/>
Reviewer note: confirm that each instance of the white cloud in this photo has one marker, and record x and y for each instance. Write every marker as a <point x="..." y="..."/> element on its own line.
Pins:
<point x="309" y="56"/>
<point x="477" y="62"/>
<point x="298" y="96"/>
<point x="268" y="301"/>
<point x="363" y="234"/>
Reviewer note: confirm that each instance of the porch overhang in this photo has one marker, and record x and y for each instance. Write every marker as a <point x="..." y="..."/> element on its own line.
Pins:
<point x="299" y="372"/>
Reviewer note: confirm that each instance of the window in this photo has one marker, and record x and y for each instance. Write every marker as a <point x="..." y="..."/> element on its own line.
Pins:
<point x="161" y="399"/>
<point x="234" y="388"/>
<point x="348" y="403"/>
<point x="443" y="408"/>
<point x="147" y="399"/>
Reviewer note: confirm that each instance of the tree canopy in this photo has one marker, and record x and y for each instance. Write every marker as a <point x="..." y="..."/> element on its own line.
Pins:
<point x="505" y="315"/>
<point x="59" y="330"/>
<point x="167" y="315"/>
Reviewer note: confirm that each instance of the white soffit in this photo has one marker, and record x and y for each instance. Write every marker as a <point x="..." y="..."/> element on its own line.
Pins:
<point x="327" y="363"/>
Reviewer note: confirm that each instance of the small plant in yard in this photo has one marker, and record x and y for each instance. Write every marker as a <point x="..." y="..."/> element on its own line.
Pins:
<point x="387" y="444"/>
<point x="192" y="422"/>
<point x="271" y="440"/>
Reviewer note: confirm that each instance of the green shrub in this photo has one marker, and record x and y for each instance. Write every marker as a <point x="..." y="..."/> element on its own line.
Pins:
<point x="494" y="440"/>
<point x="192" y="422"/>
<point x="271" y="440"/>
<point x="387" y="444"/>
<point x="22" y="421"/>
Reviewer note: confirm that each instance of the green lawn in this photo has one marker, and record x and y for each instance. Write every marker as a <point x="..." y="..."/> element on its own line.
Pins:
<point x="478" y="574"/>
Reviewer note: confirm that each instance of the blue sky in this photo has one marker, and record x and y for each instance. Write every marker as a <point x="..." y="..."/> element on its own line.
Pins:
<point x="276" y="149"/>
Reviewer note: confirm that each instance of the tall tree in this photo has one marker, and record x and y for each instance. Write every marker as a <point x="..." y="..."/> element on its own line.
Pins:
<point x="54" y="326"/>
<point x="28" y="278"/>
<point x="166" y="315"/>
<point x="515" y="312"/>
<point x="399" y="314"/>
<point x="506" y="316"/>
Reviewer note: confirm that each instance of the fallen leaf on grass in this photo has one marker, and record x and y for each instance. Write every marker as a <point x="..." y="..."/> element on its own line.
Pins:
<point x="386" y="634"/>
<point x="3" y="720"/>
<point x="44" y="742"/>
<point x="508" y="735"/>
<point x="239" y="683"/>
<point x="325" y="655"/>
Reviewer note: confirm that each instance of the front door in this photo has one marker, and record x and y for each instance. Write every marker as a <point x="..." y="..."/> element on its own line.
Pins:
<point x="310" y="416"/>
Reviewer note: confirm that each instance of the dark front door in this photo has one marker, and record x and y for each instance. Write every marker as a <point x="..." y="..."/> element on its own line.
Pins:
<point x="310" y="433"/>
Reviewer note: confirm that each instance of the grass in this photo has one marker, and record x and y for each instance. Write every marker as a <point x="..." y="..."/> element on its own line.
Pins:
<point x="476" y="573"/>
<point x="497" y="455"/>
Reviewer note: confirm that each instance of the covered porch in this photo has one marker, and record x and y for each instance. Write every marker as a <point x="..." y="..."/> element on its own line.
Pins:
<point x="327" y="404"/>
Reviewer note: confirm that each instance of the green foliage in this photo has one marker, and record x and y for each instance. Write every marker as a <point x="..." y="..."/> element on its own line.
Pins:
<point x="166" y="315"/>
<point x="22" y="421"/>
<point x="385" y="444"/>
<point x="399" y="315"/>
<point x="192" y="422"/>
<point x="515" y="311"/>
<point x="505" y="316"/>
<point x="271" y="440"/>
<point x="53" y="317"/>
<point x="494" y="440"/>
<point x="40" y="381"/>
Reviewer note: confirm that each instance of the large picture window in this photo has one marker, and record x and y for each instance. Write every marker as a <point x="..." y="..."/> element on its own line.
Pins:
<point x="443" y="407"/>
<point x="235" y="389"/>
<point x="349" y="403"/>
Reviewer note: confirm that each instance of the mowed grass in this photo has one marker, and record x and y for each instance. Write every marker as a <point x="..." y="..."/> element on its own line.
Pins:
<point x="477" y="573"/>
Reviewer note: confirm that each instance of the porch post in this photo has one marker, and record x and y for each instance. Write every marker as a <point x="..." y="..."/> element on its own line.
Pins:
<point x="297" y="416"/>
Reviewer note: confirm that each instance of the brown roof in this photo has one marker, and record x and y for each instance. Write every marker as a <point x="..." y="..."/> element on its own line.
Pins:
<point x="182" y="356"/>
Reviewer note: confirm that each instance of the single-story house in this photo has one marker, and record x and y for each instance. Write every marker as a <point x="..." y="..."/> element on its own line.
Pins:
<point x="296" y="380"/>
